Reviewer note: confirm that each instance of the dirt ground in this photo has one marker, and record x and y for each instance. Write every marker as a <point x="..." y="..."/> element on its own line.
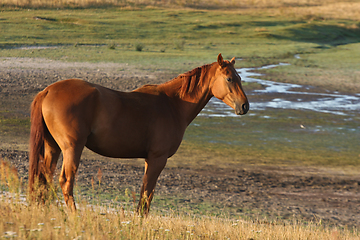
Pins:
<point x="252" y="191"/>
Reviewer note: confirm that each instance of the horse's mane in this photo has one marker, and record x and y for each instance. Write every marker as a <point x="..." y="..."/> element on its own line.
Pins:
<point x="189" y="81"/>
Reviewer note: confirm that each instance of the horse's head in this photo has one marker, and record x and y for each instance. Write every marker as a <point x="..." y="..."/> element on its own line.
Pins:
<point x="226" y="86"/>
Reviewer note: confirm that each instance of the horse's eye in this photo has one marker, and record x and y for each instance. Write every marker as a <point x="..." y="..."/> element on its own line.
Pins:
<point x="229" y="79"/>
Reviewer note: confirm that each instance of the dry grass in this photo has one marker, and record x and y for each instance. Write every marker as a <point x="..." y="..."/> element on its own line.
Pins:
<point x="52" y="221"/>
<point x="174" y="3"/>
<point x="36" y="222"/>
<point x="346" y="9"/>
<point x="308" y="9"/>
<point x="327" y="10"/>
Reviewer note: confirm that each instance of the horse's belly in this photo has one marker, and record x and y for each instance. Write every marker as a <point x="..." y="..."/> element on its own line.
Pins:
<point x="116" y="148"/>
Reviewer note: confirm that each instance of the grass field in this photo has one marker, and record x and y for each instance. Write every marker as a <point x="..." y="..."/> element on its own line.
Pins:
<point x="180" y="39"/>
<point x="176" y="37"/>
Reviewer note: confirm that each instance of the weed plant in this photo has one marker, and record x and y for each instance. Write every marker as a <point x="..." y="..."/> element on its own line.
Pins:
<point x="112" y="46"/>
<point x="180" y="45"/>
<point x="139" y="47"/>
<point x="22" y="219"/>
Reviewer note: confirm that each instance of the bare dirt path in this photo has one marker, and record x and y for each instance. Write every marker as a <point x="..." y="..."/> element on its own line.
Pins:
<point x="256" y="192"/>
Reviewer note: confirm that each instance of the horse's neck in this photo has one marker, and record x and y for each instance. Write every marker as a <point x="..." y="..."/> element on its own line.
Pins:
<point x="189" y="104"/>
<point x="193" y="108"/>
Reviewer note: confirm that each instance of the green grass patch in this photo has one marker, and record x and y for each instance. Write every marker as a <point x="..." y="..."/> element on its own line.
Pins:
<point x="14" y="126"/>
<point x="183" y="35"/>
<point x="333" y="68"/>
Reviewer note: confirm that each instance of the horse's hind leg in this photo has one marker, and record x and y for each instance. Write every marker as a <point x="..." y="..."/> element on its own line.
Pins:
<point x="48" y="166"/>
<point x="71" y="160"/>
<point x="51" y="157"/>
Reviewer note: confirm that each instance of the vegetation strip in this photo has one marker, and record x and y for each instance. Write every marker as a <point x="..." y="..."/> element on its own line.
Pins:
<point x="54" y="221"/>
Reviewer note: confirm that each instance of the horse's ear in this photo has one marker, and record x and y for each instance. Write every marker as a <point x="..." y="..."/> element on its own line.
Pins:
<point x="232" y="61"/>
<point x="220" y="60"/>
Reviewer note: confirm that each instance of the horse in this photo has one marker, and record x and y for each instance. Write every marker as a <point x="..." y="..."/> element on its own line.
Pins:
<point x="148" y="122"/>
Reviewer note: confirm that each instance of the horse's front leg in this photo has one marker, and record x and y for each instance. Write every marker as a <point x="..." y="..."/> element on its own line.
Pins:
<point x="153" y="168"/>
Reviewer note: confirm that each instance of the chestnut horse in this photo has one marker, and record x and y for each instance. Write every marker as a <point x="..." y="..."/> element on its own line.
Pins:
<point x="148" y="122"/>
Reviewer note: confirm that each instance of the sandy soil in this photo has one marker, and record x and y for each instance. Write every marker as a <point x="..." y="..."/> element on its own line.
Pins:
<point x="282" y="193"/>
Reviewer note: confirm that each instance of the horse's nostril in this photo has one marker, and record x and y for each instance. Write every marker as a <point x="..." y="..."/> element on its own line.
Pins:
<point x="242" y="109"/>
<point x="245" y="107"/>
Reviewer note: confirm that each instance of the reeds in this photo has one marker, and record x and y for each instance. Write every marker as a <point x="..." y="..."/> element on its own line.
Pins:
<point x="9" y="177"/>
<point x="22" y="220"/>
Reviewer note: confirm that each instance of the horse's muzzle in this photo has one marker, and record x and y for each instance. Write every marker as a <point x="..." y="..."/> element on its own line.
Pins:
<point x="242" y="109"/>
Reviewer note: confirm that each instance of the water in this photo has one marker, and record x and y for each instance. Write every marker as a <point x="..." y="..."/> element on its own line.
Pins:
<point x="278" y="95"/>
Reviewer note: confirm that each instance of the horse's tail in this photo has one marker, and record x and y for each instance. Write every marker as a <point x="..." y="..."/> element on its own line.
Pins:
<point x="37" y="135"/>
